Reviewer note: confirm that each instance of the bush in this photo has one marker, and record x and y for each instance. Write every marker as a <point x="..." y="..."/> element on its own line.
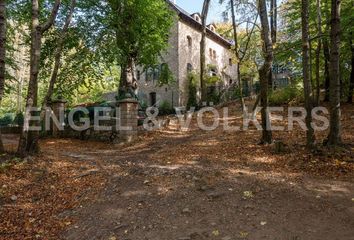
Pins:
<point x="19" y="119"/>
<point x="165" y="108"/>
<point x="192" y="90"/>
<point x="6" y="120"/>
<point x="286" y="95"/>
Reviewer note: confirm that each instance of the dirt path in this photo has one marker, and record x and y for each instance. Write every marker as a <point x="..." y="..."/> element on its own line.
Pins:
<point x="208" y="185"/>
<point x="172" y="187"/>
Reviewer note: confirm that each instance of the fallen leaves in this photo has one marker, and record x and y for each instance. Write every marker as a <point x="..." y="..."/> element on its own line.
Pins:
<point x="33" y="195"/>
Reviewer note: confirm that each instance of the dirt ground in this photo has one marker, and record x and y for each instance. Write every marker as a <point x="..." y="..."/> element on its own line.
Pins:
<point x="173" y="185"/>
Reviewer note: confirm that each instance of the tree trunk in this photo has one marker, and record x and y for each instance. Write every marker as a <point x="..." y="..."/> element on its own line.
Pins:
<point x="204" y="16"/>
<point x="2" y="56"/>
<point x="234" y="25"/>
<point x="334" y="137"/>
<point x="265" y="71"/>
<point x="306" y="72"/>
<point x="28" y="143"/>
<point x="57" y="58"/>
<point x="318" y="52"/>
<point x="326" y="66"/>
<point x="128" y="82"/>
<point x="326" y="51"/>
<point x="273" y="20"/>
<point x="351" y="87"/>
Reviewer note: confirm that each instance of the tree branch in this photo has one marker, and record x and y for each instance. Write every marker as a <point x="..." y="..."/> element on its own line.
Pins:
<point x="50" y="21"/>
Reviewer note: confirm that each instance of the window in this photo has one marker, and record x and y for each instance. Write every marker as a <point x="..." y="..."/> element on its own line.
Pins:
<point x="152" y="99"/>
<point x="138" y="75"/>
<point x="230" y="61"/>
<point x="153" y="73"/>
<point x="197" y="18"/>
<point x="149" y="74"/>
<point x="213" y="71"/>
<point x="211" y="53"/>
<point x="190" y="42"/>
<point x="189" y="68"/>
<point x="156" y="73"/>
<point x="212" y="28"/>
<point x="230" y="81"/>
<point x="214" y="54"/>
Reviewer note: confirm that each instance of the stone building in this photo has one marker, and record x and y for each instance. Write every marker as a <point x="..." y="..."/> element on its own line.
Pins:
<point x="182" y="57"/>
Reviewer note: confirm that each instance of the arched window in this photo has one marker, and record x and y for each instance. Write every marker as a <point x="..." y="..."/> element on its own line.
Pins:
<point x="190" y="41"/>
<point x="189" y="68"/>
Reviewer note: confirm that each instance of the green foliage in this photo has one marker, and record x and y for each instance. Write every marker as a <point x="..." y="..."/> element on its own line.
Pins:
<point x="213" y="96"/>
<point x="192" y="80"/>
<point x="19" y="119"/>
<point x="166" y="76"/>
<point x="286" y="95"/>
<point x="7" y="119"/>
<point x="139" y="29"/>
<point x="165" y="108"/>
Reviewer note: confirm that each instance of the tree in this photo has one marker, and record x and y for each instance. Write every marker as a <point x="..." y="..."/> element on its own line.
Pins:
<point x="318" y="51"/>
<point x="2" y="56"/>
<point x="274" y="20"/>
<point x="265" y="71"/>
<point x="28" y="143"/>
<point x="351" y="85"/>
<point x="58" y="55"/>
<point x="234" y="26"/>
<point x="204" y="16"/>
<point x="334" y="137"/>
<point x="139" y="28"/>
<point x="306" y="72"/>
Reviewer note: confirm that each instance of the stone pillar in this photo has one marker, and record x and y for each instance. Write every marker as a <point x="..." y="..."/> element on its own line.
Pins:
<point x="57" y="106"/>
<point x="128" y="119"/>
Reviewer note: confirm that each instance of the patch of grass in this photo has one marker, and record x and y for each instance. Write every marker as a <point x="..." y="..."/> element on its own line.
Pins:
<point x="8" y="161"/>
<point x="286" y="95"/>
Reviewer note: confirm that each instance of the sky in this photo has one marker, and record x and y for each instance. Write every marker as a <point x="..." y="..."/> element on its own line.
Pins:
<point x="193" y="6"/>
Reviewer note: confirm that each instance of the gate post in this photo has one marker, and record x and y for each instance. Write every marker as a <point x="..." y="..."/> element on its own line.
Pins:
<point x="57" y="106"/>
<point x="128" y="119"/>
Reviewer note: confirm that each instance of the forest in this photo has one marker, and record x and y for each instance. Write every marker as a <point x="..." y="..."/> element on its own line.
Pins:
<point x="176" y="181"/>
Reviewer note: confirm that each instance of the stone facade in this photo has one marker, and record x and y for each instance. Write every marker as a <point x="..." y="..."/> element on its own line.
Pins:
<point x="182" y="56"/>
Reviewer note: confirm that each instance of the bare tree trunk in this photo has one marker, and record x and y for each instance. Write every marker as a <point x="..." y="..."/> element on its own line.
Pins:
<point x="2" y="56"/>
<point x="28" y="143"/>
<point x="334" y="137"/>
<point x="204" y="16"/>
<point x="306" y="72"/>
<point x="234" y="25"/>
<point x="326" y="66"/>
<point x="351" y="87"/>
<point x="318" y="52"/>
<point x="273" y="20"/>
<point x="326" y="51"/>
<point x="57" y="58"/>
<point x="265" y="71"/>
<point x="273" y="32"/>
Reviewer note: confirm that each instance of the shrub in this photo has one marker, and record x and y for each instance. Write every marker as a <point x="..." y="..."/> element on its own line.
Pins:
<point x="165" y="108"/>
<point x="6" y="120"/>
<point x="286" y="95"/>
<point x="19" y="119"/>
<point x="192" y="90"/>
